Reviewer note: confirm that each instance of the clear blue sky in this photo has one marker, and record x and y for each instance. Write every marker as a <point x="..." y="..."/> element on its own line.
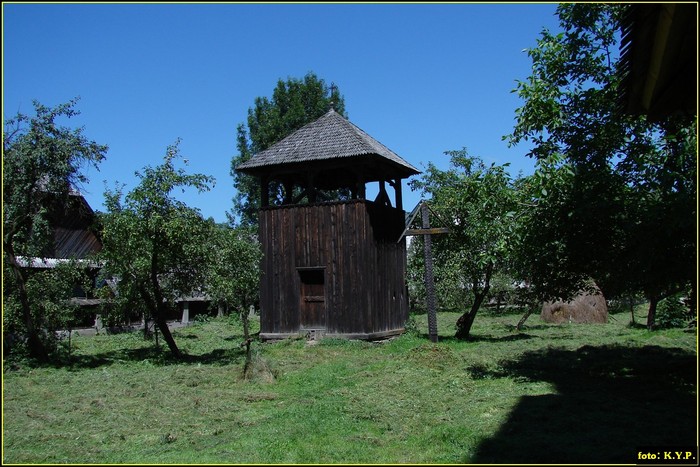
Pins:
<point x="420" y="78"/>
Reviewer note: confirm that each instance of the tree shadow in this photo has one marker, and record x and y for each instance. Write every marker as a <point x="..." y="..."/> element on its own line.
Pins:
<point x="528" y="327"/>
<point x="150" y="353"/>
<point x="155" y="356"/>
<point x="483" y="338"/>
<point x="518" y="336"/>
<point x="611" y="401"/>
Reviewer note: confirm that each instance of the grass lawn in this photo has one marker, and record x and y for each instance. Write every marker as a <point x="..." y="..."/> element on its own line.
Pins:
<point x="549" y="394"/>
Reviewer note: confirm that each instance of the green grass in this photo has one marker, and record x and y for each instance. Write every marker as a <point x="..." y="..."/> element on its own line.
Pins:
<point x="549" y="394"/>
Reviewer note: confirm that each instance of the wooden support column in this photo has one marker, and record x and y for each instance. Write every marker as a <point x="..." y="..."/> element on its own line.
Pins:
<point x="264" y="192"/>
<point x="361" y="190"/>
<point x="357" y="190"/>
<point x="396" y="184"/>
<point x="288" y="192"/>
<point x="310" y="188"/>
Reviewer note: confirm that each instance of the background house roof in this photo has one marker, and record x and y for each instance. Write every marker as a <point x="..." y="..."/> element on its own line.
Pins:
<point x="72" y="221"/>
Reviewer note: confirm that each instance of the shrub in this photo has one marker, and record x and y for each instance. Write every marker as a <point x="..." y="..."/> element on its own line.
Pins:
<point x="671" y="312"/>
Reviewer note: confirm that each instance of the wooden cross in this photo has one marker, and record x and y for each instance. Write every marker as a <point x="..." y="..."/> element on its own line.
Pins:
<point x="427" y="232"/>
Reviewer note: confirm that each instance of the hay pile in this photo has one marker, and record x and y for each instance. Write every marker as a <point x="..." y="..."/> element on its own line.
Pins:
<point x="586" y="308"/>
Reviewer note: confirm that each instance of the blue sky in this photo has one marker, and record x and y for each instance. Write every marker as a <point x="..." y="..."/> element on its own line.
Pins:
<point x="422" y="78"/>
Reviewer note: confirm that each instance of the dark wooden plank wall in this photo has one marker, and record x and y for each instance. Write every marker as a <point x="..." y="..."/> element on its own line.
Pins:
<point x="74" y="233"/>
<point x="365" y="268"/>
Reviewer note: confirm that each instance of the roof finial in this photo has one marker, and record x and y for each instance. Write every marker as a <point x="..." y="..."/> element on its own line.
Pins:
<point x="333" y="89"/>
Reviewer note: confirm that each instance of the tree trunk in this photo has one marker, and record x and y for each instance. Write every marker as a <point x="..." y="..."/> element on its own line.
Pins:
<point x="632" y="309"/>
<point x="159" y="311"/>
<point x="524" y="318"/>
<point x="159" y="317"/>
<point x="246" y="342"/>
<point x="165" y="330"/>
<point x="37" y="349"/>
<point x="145" y="327"/>
<point x="157" y="308"/>
<point x="693" y="300"/>
<point x="464" y="323"/>
<point x="651" y="316"/>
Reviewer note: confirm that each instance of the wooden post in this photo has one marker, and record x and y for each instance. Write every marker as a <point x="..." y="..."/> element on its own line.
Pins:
<point x="264" y="192"/>
<point x="427" y="232"/>
<point x="288" y="192"/>
<point x="399" y="196"/>
<point x="359" y="189"/>
<point x="429" y="278"/>
<point x="99" y="325"/>
<point x="185" y="312"/>
<point x="310" y="188"/>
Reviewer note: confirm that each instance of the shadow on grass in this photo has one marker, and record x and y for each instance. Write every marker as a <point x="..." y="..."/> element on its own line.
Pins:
<point x="482" y="338"/>
<point x="528" y="327"/>
<point x="153" y="356"/>
<point x="611" y="400"/>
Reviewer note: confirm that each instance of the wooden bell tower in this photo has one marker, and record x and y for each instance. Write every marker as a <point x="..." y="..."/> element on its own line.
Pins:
<point x="333" y="268"/>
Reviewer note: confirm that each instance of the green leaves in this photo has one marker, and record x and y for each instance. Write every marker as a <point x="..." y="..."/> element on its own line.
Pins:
<point x="41" y="157"/>
<point x="149" y="234"/>
<point x="234" y="272"/>
<point x="608" y="196"/>
<point x="42" y="163"/>
<point x="480" y="203"/>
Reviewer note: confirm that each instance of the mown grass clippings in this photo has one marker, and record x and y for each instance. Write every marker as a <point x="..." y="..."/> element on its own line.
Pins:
<point x="542" y="395"/>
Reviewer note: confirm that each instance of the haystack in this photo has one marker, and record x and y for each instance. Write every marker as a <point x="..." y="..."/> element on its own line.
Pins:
<point x="585" y="308"/>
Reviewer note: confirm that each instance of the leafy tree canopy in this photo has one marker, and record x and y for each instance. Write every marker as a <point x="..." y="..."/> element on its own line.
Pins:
<point x="234" y="273"/>
<point x="622" y="202"/>
<point x="156" y="246"/>
<point x="42" y="163"/>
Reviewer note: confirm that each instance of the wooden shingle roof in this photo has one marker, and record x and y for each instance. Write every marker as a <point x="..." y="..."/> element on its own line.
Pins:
<point x="330" y="138"/>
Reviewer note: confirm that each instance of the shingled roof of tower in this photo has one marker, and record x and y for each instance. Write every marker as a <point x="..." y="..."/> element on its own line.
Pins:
<point x="330" y="137"/>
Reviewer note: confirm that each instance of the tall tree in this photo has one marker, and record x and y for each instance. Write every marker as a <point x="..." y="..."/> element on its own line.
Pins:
<point x="155" y="245"/>
<point x="479" y="203"/>
<point x="232" y="280"/>
<point x="294" y="103"/>
<point x="234" y="275"/>
<point x="625" y="215"/>
<point x="42" y="163"/>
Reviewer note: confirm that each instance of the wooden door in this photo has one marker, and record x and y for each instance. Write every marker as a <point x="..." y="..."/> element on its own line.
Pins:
<point x="313" y="298"/>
